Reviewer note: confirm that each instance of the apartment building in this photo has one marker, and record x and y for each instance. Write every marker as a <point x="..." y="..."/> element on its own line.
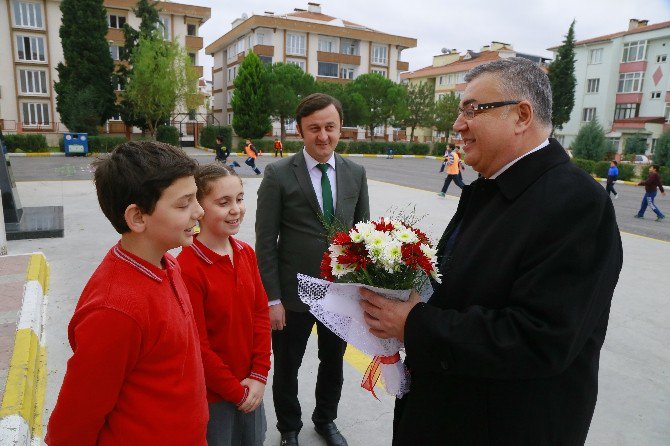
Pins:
<point x="623" y="82"/>
<point x="329" y="48"/>
<point x="447" y="74"/>
<point x="31" y="50"/>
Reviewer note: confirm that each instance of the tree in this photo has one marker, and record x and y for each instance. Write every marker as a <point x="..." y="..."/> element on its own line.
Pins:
<point x="287" y="85"/>
<point x="251" y="115"/>
<point x="150" y="27"/>
<point x="419" y="107"/>
<point x="446" y="112"/>
<point x="662" y="150"/>
<point x="380" y="97"/>
<point x="84" y="93"/>
<point x="635" y="145"/>
<point x="161" y="79"/>
<point x="352" y="103"/>
<point x="590" y="142"/>
<point x="562" y="79"/>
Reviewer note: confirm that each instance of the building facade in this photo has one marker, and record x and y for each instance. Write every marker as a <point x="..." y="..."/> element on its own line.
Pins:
<point x="623" y="82"/>
<point x="447" y="75"/>
<point x="31" y="50"/>
<point x="328" y="48"/>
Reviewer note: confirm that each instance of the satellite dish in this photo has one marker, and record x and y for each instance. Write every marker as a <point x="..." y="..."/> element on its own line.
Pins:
<point x="244" y="16"/>
<point x="444" y="51"/>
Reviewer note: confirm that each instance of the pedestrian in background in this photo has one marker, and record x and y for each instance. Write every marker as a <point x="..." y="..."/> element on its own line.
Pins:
<point x="279" y="147"/>
<point x="453" y="170"/>
<point x="612" y="175"/>
<point x="252" y="153"/>
<point x="652" y="182"/>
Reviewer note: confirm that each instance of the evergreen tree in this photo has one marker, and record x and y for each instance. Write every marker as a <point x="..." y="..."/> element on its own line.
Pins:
<point x="662" y="150"/>
<point x="381" y="97"/>
<point x="446" y="112"/>
<point x="84" y="93"/>
<point x="590" y="143"/>
<point x="635" y="145"/>
<point x="287" y="85"/>
<point x="352" y="103"/>
<point x="251" y="115"/>
<point x="419" y="107"/>
<point x="562" y="79"/>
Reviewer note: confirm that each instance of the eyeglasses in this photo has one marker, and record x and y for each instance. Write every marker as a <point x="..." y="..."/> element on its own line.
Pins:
<point x="471" y="112"/>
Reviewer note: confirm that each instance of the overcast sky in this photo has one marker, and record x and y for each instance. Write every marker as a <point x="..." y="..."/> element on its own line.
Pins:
<point x="531" y="26"/>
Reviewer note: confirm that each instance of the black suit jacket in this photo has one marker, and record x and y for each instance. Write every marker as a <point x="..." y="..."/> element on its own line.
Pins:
<point x="506" y="350"/>
<point x="290" y="237"/>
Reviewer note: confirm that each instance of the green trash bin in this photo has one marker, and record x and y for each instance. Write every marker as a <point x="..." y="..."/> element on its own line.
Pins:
<point x="75" y="144"/>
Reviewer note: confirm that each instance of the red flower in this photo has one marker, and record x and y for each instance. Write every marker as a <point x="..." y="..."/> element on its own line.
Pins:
<point x="414" y="257"/>
<point x="381" y="225"/>
<point x="423" y="238"/>
<point x="326" y="270"/>
<point x="356" y="255"/>
<point x="342" y="239"/>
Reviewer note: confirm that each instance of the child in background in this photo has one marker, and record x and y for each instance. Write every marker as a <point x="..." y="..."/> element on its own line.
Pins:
<point x="251" y="153"/>
<point x="231" y="312"/>
<point x="136" y="375"/>
<point x="612" y="175"/>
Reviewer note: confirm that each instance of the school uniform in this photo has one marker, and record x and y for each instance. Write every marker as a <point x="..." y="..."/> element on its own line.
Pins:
<point x="136" y="374"/>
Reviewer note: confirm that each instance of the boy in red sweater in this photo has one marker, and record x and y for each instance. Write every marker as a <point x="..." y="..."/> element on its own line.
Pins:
<point x="136" y="376"/>
<point x="652" y="182"/>
<point x="231" y="312"/>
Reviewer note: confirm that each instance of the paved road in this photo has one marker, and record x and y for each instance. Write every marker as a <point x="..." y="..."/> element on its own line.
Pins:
<point x="411" y="172"/>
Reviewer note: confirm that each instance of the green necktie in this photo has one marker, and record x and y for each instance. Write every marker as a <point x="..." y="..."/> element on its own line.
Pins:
<point x="326" y="194"/>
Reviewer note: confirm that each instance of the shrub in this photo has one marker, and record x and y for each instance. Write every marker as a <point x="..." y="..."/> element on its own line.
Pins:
<point x="662" y="150"/>
<point x="168" y="134"/>
<point x="418" y="148"/>
<point x="601" y="169"/>
<point x="635" y="145"/>
<point x="587" y="166"/>
<point x="26" y="142"/>
<point x="439" y="148"/>
<point x="590" y="143"/>
<point x="104" y="143"/>
<point x="209" y="133"/>
<point x="626" y="171"/>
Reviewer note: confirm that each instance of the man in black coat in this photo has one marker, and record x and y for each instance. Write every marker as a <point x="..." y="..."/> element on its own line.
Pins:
<point x="506" y="350"/>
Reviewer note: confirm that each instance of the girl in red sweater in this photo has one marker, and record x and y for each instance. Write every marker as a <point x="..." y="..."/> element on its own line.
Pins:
<point x="231" y="312"/>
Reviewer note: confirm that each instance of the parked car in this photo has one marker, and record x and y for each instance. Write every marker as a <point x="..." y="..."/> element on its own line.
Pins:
<point x="641" y="159"/>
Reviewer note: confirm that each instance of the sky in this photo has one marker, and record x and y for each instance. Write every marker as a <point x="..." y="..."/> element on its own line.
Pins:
<point x="531" y="26"/>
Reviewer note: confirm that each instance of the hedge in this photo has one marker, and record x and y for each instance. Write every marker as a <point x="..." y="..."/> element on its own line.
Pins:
<point x="209" y="133"/>
<point x="357" y="147"/>
<point x="168" y="134"/>
<point x="99" y="143"/>
<point x="626" y="171"/>
<point x="601" y="169"/>
<point x="26" y="142"/>
<point x="587" y="166"/>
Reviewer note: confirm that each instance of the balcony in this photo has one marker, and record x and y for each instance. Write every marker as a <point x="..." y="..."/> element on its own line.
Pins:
<point x="115" y="35"/>
<point x="264" y="50"/>
<point x="334" y="80"/>
<point x="193" y="42"/>
<point x="629" y="98"/>
<point x="199" y="70"/>
<point x="347" y="59"/>
<point x="402" y="65"/>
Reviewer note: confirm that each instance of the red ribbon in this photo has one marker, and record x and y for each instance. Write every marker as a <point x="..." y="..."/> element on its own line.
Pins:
<point x="372" y="373"/>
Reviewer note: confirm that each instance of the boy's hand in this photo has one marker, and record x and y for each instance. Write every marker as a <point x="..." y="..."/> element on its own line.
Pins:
<point x="277" y="317"/>
<point x="255" y="397"/>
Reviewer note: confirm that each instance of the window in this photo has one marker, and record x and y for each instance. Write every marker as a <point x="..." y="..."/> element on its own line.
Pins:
<point x="191" y="29"/>
<point x="295" y="44"/>
<point x="593" y="85"/>
<point x="232" y="74"/>
<point x="656" y="95"/>
<point x="595" y="56"/>
<point x="379" y="131"/>
<point x="266" y="59"/>
<point x="588" y="114"/>
<point x="630" y="82"/>
<point x="378" y="71"/>
<point x="192" y="57"/>
<point x="328" y="44"/>
<point x="347" y="73"/>
<point x="116" y="21"/>
<point x="230" y="119"/>
<point x="33" y="81"/>
<point x="379" y="54"/>
<point x="298" y="62"/>
<point x="327" y="69"/>
<point x="27" y="14"/>
<point x="30" y="48"/>
<point x="289" y="125"/>
<point x="35" y="113"/>
<point x="625" y="111"/>
<point x="634" y="51"/>
<point x="662" y="58"/>
<point x="441" y="80"/>
<point x="348" y="46"/>
<point x="164" y="27"/>
<point x="114" y="51"/>
<point x="116" y="117"/>
<point x="229" y="97"/>
<point x="262" y="39"/>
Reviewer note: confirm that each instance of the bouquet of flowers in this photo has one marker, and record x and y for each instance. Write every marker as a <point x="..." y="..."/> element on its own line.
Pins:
<point x="387" y="256"/>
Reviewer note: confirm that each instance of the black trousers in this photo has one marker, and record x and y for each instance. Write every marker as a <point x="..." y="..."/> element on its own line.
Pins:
<point x="288" y="347"/>
<point x="457" y="181"/>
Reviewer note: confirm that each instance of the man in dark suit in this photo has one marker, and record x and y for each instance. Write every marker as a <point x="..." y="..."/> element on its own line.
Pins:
<point x="297" y="195"/>
<point x="506" y="350"/>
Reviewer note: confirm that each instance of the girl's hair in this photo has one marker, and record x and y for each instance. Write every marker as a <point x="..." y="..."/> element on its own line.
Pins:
<point x="205" y="175"/>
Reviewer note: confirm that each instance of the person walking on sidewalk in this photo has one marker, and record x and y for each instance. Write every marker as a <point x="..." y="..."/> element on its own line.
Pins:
<point x="612" y="175"/>
<point x="453" y="169"/>
<point x="279" y="147"/>
<point x="252" y="153"/>
<point x="652" y="182"/>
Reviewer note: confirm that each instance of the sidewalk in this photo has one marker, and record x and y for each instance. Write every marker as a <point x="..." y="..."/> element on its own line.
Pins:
<point x="634" y="400"/>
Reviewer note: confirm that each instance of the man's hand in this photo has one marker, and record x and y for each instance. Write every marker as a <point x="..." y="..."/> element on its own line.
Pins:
<point x="385" y="317"/>
<point x="255" y="397"/>
<point x="277" y="317"/>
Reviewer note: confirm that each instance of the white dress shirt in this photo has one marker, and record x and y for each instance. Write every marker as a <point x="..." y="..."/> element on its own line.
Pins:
<point x="544" y="144"/>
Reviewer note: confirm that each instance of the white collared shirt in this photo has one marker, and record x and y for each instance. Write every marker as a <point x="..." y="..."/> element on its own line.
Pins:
<point x="544" y="144"/>
<point x="315" y="175"/>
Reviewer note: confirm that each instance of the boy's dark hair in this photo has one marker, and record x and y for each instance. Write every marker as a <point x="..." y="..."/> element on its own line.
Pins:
<point x="219" y="138"/>
<point x="615" y="163"/>
<point x="315" y="102"/>
<point x="452" y="146"/>
<point x="137" y="172"/>
<point x="656" y="167"/>
<point x="205" y="175"/>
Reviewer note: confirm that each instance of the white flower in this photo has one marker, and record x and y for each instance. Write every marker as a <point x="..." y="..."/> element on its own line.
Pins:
<point x="335" y="251"/>
<point x="377" y="238"/>
<point x="340" y="270"/>
<point x="429" y="252"/>
<point x="392" y="256"/>
<point x="437" y="277"/>
<point x="405" y="235"/>
<point x="356" y="236"/>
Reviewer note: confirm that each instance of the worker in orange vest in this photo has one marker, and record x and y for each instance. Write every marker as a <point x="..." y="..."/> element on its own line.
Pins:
<point x="279" y="147"/>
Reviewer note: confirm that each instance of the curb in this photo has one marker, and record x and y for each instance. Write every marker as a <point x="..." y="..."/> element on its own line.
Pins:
<point x="36" y="154"/>
<point x="23" y="403"/>
<point x="363" y="155"/>
<point x="604" y="180"/>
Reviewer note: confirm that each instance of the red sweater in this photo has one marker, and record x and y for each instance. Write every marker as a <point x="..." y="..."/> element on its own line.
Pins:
<point x="652" y="182"/>
<point x="231" y="312"/>
<point x="136" y="374"/>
